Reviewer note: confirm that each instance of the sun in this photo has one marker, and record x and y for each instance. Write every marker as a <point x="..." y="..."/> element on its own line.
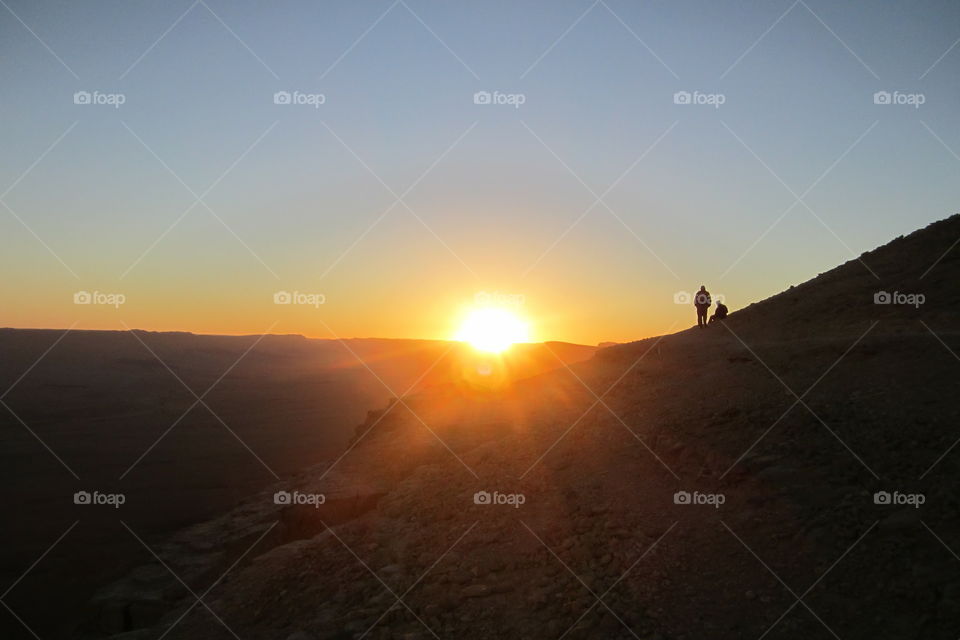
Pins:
<point x="493" y="330"/>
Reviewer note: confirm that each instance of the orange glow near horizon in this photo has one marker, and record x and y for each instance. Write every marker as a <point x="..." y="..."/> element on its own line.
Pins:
<point x="438" y="309"/>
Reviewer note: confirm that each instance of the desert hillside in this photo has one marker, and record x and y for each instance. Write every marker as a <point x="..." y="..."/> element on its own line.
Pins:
<point x="788" y="474"/>
<point x="184" y="426"/>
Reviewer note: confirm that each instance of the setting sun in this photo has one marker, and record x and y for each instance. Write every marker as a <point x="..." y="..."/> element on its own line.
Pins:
<point x="493" y="330"/>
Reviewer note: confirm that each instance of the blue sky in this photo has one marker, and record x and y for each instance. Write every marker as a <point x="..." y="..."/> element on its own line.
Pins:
<point x="299" y="193"/>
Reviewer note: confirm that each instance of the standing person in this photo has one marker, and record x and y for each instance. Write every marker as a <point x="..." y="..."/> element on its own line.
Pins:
<point x="702" y="301"/>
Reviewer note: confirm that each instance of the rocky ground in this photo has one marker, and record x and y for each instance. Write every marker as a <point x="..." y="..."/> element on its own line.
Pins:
<point x="117" y="412"/>
<point x="719" y="483"/>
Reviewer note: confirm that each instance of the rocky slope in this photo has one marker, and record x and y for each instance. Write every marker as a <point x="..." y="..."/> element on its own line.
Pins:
<point x="787" y="474"/>
<point x="119" y="411"/>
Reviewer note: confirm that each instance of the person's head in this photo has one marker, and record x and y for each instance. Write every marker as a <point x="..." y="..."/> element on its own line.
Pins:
<point x="702" y="288"/>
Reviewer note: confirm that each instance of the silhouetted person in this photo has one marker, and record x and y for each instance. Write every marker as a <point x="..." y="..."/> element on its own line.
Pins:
<point x="701" y="300"/>
<point x="720" y="313"/>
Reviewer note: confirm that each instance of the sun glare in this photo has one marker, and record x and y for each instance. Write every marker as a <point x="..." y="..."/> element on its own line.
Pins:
<point x="493" y="330"/>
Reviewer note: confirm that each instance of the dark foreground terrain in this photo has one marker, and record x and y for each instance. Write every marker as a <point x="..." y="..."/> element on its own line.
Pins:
<point x="183" y="426"/>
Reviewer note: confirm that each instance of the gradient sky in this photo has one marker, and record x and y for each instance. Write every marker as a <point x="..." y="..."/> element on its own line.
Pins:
<point x="298" y="193"/>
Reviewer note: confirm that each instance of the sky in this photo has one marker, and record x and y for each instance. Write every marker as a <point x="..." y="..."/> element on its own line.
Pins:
<point x="389" y="164"/>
